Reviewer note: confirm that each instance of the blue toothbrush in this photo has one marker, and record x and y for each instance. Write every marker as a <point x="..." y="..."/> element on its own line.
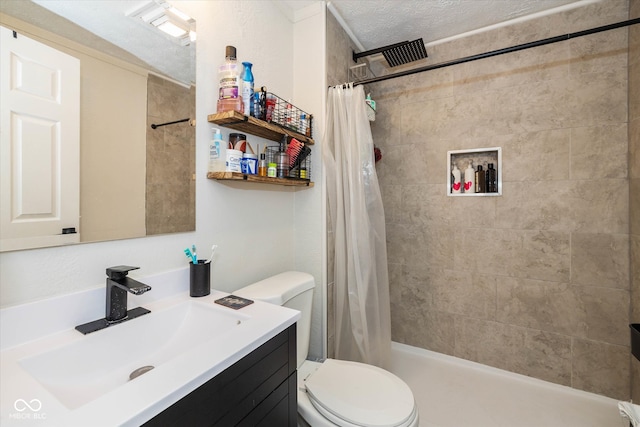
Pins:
<point x="189" y="255"/>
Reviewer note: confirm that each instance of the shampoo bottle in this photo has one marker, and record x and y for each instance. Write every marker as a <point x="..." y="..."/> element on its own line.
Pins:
<point x="247" y="88"/>
<point x="217" y="152"/>
<point x="492" y="179"/>
<point x="480" y="180"/>
<point x="470" y="179"/>
<point x="455" y="177"/>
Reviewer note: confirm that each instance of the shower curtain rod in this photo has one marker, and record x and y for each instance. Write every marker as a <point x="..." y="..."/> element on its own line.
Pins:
<point x="500" y="51"/>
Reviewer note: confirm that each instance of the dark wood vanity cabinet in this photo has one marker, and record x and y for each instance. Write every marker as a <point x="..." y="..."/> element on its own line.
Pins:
<point x="258" y="390"/>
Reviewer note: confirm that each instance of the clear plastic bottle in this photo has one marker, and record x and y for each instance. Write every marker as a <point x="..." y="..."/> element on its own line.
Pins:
<point x="262" y="165"/>
<point x="247" y="88"/>
<point x="229" y="97"/>
<point x="282" y="159"/>
<point x="282" y="162"/>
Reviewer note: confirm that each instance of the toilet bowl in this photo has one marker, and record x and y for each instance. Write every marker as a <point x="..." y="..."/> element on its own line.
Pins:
<point x="335" y="392"/>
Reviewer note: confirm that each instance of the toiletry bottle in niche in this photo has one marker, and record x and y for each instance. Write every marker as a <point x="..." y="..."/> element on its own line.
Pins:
<point x="470" y="178"/>
<point x="217" y="152"/>
<point x="491" y="176"/>
<point x="480" y="180"/>
<point x="456" y="185"/>
<point x="247" y="88"/>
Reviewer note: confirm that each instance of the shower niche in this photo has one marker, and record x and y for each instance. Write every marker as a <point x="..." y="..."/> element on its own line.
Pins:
<point x="460" y="180"/>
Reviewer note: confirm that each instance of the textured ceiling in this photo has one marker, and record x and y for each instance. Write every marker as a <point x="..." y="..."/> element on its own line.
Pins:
<point x="377" y="23"/>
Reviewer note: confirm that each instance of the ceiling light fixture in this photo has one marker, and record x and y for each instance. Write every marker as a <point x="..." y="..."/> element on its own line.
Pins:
<point x="180" y="14"/>
<point x="167" y="19"/>
<point x="172" y="29"/>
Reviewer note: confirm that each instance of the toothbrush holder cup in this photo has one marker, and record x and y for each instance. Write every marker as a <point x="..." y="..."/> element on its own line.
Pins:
<point x="199" y="278"/>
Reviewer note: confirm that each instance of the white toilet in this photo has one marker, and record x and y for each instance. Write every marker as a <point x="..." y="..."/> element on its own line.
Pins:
<point x="335" y="392"/>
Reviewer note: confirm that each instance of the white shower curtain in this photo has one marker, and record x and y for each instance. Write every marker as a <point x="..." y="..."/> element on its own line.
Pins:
<point x="362" y="307"/>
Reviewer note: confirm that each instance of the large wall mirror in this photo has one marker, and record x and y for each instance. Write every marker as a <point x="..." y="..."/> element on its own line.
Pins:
<point x="134" y="180"/>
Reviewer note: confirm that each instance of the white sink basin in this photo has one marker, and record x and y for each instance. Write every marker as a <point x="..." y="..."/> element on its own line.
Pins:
<point x="81" y="371"/>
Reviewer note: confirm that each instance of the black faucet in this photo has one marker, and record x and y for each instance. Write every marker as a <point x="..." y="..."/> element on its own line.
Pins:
<point x="118" y="285"/>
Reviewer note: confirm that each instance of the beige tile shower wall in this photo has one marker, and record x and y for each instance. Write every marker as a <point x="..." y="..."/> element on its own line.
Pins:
<point x="535" y="281"/>
<point x="634" y="182"/>
<point x="170" y="193"/>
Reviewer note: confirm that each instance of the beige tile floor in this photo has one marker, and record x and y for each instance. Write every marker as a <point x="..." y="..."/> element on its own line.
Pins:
<point x="453" y="392"/>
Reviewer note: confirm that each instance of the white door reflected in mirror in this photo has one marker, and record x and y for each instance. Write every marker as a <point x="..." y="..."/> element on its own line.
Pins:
<point x="40" y="118"/>
<point x="133" y="181"/>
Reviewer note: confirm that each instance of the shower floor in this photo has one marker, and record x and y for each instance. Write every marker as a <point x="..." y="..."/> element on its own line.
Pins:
<point x="453" y="392"/>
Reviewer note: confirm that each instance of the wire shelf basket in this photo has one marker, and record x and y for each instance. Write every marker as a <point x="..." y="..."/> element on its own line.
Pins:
<point x="293" y="162"/>
<point x="271" y="108"/>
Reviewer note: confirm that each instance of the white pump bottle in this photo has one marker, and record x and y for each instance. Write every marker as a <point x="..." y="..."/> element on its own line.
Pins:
<point x="456" y="185"/>
<point x="470" y="178"/>
<point x="217" y="152"/>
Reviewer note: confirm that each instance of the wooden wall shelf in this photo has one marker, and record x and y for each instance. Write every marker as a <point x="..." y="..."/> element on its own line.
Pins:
<point x="237" y="176"/>
<point x="257" y="127"/>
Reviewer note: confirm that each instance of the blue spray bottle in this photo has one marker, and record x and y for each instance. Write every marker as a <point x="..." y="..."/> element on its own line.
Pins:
<point x="247" y="88"/>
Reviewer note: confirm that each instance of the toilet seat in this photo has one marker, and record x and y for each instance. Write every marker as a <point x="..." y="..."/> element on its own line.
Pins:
<point x="351" y="394"/>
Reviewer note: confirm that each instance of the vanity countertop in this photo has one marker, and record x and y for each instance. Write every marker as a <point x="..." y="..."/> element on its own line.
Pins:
<point x="25" y="401"/>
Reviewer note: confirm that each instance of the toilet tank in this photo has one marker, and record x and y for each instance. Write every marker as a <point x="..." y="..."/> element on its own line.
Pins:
<point x="292" y="289"/>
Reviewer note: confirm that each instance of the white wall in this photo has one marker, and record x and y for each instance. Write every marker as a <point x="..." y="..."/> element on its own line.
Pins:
<point x="309" y="91"/>
<point x="260" y="229"/>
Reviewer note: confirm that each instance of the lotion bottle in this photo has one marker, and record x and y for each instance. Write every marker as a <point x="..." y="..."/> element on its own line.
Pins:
<point x="470" y="178"/>
<point x="217" y="152"/>
<point x="456" y="185"/>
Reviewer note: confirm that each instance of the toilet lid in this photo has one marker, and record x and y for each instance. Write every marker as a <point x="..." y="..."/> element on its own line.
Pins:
<point x="360" y="394"/>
